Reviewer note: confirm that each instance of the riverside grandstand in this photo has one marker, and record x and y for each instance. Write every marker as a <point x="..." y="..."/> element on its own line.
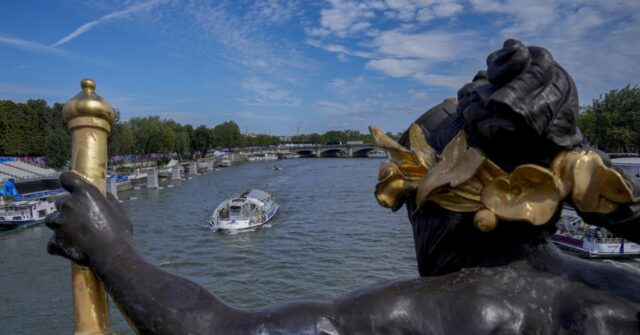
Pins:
<point x="23" y="181"/>
<point x="13" y="168"/>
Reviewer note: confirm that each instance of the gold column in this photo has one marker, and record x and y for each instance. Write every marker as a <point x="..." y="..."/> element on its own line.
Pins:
<point x="89" y="119"/>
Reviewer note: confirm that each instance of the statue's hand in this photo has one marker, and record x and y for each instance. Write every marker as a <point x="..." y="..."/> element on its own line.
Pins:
<point x="86" y="222"/>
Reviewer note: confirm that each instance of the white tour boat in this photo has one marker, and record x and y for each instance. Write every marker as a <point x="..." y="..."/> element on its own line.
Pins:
<point x="262" y="157"/>
<point x="22" y="214"/>
<point x="585" y="240"/>
<point x="588" y="240"/>
<point x="250" y="209"/>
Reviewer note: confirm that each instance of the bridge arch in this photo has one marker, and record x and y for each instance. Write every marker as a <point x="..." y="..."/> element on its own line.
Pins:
<point x="333" y="152"/>
<point x="362" y="152"/>
<point x="305" y="153"/>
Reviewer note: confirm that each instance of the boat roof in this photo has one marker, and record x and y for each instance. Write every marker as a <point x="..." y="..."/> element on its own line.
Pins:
<point x="254" y="196"/>
<point x="257" y="194"/>
<point x="626" y="161"/>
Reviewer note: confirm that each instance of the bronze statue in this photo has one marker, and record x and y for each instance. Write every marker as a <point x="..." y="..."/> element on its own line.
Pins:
<point x="483" y="181"/>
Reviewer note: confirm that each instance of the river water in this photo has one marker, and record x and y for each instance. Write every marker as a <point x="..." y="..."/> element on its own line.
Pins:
<point x="329" y="238"/>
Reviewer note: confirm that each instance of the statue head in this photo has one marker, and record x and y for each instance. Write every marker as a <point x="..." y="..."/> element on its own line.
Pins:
<point x="521" y="110"/>
<point x="523" y="98"/>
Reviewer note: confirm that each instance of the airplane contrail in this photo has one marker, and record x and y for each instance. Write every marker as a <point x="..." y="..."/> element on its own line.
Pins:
<point x="111" y="16"/>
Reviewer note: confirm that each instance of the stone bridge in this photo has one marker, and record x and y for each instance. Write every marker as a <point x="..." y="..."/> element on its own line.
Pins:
<point x="341" y="150"/>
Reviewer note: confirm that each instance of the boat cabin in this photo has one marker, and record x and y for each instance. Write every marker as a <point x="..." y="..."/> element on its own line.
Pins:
<point x="22" y="210"/>
<point x="248" y="204"/>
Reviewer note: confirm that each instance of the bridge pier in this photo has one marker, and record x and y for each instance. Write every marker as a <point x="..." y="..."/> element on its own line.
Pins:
<point x="175" y="172"/>
<point x="112" y="187"/>
<point x="152" y="178"/>
<point x="193" y="168"/>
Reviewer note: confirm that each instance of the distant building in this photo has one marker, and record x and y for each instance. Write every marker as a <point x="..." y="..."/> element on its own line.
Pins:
<point x="583" y="110"/>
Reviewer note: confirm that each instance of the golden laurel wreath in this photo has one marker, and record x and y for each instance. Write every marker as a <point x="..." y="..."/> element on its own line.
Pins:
<point x="463" y="179"/>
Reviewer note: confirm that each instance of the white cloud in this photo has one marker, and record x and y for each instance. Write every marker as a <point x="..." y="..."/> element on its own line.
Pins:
<point x="244" y="39"/>
<point x="447" y="9"/>
<point x="399" y="49"/>
<point x="344" y="17"/>
<point x="337" y="48"/>
<point x="350" y="86"/>
<point x="398" y="67"/>
<point x="130" y="10"/>
<point x="452" y="82"/>
<point x="266" y="93"/>
<point x="276" y="11"/>
<point x="436" y="45"/>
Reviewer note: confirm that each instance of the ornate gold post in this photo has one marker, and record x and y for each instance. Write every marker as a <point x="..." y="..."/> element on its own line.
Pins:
<point x="89" y="119"/>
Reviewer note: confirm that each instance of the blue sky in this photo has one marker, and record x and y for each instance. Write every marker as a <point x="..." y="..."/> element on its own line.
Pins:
<point x="276" y="66"/>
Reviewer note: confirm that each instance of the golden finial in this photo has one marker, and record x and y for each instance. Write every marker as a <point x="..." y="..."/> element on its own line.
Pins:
<point x="88" y="104"/>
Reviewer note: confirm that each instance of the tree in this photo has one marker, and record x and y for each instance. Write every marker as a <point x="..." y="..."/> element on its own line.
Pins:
<point x="226" y="135"/>
<point x="121" y="140"/>
<point x="20" y="129"/>
<point x="57" y="148"/>
<point x="201" y="139"/>
<point x="615" y="121"/>
<point x="182" y="146"/>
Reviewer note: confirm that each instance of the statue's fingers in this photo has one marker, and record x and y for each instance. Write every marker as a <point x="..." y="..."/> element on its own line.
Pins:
<point x="60" y="201"/>
<point x="53" y="247"/>
<point x="51" y="220"/>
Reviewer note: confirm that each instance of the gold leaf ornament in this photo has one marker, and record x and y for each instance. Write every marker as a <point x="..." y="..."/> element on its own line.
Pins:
<point x="596" y="187"/>
<point x="399" y="176"/>
<point x="393" y="186"/>
<point x="458" y="163"/>
<point x="530" y="193"/>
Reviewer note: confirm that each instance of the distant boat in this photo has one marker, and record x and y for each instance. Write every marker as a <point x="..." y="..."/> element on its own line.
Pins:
<point x="22" y="214"/>
<point x="289" y="156"/>
<point x="262" y="157"/>
<point x="225" y="162"/>
<point x="377" y="154"/>
<point x="248" y="210"/>
<point x="585" y="240"/>
<point x="277" y="167"/>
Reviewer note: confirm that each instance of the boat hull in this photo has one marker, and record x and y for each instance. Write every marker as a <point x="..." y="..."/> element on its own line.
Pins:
<point x="6" y="226"/>
<point x="582" y="248"/>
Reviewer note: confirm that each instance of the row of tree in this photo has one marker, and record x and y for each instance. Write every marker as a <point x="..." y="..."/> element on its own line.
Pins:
<point x="34" y="128"/>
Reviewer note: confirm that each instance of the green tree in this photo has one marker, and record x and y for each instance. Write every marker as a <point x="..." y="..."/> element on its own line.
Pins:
<point x="20" y="130"/>
<point x="201" y="140"/>
<point x="57" y="148"/>
<point x="226" y="135"/>
<point x="121" y="140"/>
<point x="615" y="121"/>
<point x="183" y="147"/>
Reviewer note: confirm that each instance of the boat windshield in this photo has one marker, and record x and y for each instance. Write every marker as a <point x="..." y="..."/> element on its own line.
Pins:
<point x="235" y="210"/>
